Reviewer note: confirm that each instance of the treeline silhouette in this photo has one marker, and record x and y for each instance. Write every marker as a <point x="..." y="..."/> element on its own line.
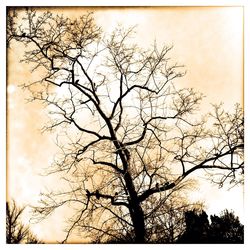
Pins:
<point x="225" y="228"/>
<point x="198" y="228"/>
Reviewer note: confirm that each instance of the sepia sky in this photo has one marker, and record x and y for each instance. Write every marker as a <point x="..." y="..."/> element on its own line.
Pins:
<point x="207" y="40"/>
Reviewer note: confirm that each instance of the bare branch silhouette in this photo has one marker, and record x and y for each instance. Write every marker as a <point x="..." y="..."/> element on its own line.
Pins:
<point x="16" y="231"/>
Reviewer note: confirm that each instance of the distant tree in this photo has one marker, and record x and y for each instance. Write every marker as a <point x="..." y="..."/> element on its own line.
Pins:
<point x="16" y="231"/>
<point x="225" y="228"/>
<point x="128" y="136"/>
<point x="197" y="227"/>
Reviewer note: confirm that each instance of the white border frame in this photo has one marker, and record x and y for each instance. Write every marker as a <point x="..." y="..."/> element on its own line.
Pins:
<point x="5" y="3"/>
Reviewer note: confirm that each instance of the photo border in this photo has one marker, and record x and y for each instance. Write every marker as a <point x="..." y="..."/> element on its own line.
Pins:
<point x="3" y="111"/>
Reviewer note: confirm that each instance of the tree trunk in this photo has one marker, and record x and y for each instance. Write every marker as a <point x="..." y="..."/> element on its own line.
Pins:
<point x="137" y="217"/>
<point x="136" y="212"/>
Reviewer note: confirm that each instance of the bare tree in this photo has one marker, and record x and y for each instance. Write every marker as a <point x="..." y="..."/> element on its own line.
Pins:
<point x="16" y="231"/>
<point x="128" y="136"/>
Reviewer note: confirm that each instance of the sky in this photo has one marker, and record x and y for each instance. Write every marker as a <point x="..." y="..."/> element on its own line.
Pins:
<point x="207" y="40"/>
